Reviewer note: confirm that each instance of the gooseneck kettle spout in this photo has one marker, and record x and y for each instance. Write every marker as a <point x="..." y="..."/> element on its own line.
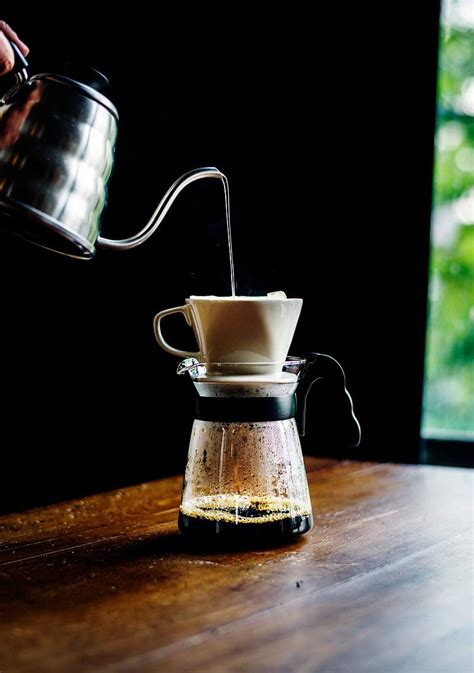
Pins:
<point x="161" y="209"/>
<point x="57" y="139"/>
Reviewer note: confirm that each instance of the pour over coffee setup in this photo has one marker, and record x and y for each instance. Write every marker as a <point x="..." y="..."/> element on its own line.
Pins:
<point x="245" y="475"/>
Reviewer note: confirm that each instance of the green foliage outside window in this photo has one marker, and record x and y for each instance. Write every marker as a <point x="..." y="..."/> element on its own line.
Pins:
<point x="449" y="387"/>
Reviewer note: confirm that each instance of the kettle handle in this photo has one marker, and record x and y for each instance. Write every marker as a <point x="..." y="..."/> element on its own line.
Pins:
<point x="20" y="70"/>
<point x="161" y="209"/>
<point x="324" y="367"/>
<point x="21" y="64"/>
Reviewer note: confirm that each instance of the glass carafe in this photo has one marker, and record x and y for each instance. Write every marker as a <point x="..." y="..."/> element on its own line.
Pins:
<point x="245" y="476"/>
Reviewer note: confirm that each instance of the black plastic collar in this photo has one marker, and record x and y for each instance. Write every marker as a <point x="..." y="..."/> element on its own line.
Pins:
<point x="245" y="409"/>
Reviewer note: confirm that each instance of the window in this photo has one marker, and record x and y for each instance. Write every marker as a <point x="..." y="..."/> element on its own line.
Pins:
<point x="449" y="384"/>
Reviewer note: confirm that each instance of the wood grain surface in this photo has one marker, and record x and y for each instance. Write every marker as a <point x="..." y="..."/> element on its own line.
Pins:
<point x="381" y="584"/>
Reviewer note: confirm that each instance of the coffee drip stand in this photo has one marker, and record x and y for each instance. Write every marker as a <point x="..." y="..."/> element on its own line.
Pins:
<point x="245" y="476"/>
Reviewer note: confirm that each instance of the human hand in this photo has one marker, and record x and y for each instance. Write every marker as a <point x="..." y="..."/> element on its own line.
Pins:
<point x="7" y="57"/>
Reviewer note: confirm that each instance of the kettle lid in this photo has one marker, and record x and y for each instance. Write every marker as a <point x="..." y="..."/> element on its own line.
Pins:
<point x="89" y="81"/>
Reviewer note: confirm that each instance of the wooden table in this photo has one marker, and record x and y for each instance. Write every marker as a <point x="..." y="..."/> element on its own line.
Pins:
<point x="381" y="584"/>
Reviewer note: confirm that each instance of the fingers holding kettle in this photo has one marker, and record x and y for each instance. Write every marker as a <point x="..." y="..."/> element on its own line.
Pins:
<point x="7" y="57"/>
<point x="11" y="35"/>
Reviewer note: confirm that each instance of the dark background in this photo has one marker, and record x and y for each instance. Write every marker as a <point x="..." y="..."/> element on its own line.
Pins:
<point x="325" y="131"/>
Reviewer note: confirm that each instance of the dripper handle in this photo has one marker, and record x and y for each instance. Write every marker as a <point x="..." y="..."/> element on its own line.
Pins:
<point x="320" y="366"/>
<point x="185" y="310"/>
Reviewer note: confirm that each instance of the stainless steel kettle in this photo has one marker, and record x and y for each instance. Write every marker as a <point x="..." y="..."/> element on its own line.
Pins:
<point x="57" y="138"/>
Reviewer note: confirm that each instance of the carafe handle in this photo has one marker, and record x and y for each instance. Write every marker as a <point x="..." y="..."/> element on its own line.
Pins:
<point x="324" y="367"/>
